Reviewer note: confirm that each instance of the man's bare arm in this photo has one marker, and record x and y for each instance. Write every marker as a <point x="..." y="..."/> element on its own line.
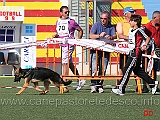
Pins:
<point x="80" y="34"/>
<point x="120" y="32"/>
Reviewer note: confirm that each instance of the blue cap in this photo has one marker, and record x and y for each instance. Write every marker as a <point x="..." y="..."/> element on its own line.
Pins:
<point x="128" y="9"/>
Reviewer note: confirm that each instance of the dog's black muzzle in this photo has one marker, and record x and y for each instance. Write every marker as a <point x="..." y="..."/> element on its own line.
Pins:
<point x="17" y="78"/>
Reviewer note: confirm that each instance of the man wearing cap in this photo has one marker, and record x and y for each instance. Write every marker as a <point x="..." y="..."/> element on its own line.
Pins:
<point x="122" y="31"/>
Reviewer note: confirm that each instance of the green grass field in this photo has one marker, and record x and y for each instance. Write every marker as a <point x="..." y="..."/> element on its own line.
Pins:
<point x="76" y="105"/>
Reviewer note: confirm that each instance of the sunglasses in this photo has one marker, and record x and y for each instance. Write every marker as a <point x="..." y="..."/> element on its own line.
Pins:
<point x="103" y="18"/>
<point x="132" y="11"/>
<point x="67" y="12"/>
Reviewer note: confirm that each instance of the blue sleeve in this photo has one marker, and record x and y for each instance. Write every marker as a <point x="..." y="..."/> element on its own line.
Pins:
<point x="113" y="31"/>
<point x="94" y="29"/>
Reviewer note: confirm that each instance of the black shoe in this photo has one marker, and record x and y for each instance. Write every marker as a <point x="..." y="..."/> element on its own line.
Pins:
<point x="97" y="88"/>
<point x="145" y="90"/>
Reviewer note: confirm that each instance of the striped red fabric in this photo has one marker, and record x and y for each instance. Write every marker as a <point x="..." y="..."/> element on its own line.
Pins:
<point x="117" y="12"/>
<point x="56" y="46"/>
<point x="46" y="28"/>
<point x="42" y="13"/>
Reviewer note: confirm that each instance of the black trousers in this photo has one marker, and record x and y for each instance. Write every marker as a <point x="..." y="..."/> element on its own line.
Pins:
<point x="134" y="64"/>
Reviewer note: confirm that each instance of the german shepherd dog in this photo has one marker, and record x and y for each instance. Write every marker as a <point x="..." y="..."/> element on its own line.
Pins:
<point x="39" y="74"/>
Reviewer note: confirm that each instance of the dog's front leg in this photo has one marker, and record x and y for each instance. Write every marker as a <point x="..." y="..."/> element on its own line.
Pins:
<point x="37" y="88"/>
<point x="26" y="84"/>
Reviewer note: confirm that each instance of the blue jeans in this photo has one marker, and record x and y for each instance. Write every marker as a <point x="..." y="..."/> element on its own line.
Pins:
<point x="93" y="66"/>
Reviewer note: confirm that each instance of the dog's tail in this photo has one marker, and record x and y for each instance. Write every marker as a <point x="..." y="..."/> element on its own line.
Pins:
<point x="67" y="83"/>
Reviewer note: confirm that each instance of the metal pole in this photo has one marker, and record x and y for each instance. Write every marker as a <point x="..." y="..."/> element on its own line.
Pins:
<point x="94" y="11"/>
<point x="70" y="7"/>
<point x="4" y="2"/>
<point x="87" y="27"/>
<point x="87" y="19"/>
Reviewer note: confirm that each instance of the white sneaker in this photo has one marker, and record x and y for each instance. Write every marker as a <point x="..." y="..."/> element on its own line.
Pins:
<point x="117" y="91"/>
<point x="78" y="88"/>
<point x="155" y="87"/>
<point x="100" y="90"/>
<point x="81" y="83"/>
<point x="93" y="89"/>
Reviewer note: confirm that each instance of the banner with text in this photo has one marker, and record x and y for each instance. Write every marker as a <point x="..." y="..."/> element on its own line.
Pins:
<point x="11" y="13"/>
<point x="28" y="54"/>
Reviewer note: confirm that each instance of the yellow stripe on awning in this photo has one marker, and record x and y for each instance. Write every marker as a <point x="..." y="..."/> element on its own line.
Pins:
<point x="83" y="5"/>
<point x="117" y="5"/>
<point x="145" y="20"/>
<point x="122" y="5"/>
<point x="35" y="5"/>
<point x="115" y="20"/>
<point x="90" y="20"/>
<point x="41" y="20"/>
<point x="42" y="53"/>
<point x="44" y="35"/>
